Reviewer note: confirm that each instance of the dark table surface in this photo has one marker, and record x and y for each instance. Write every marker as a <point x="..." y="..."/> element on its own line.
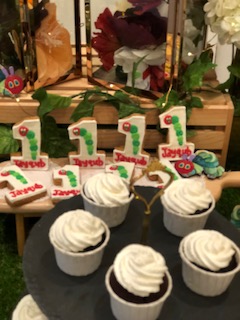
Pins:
<point x="65" y="297"/>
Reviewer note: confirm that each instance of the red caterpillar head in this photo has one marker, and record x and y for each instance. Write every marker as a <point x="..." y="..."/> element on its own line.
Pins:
<point x="13" y="83"/>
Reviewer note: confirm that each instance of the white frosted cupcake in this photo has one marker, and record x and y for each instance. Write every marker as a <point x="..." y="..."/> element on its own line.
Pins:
<point x="79" y="240"/>
<point x="107" y="196"/>
<point x="187" y="203"/>
<point x="27" y="309"/>
<point x="138" y="283"/>
<point x="209" y="262"/>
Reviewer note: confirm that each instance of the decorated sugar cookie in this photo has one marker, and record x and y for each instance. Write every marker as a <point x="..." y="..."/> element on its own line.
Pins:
<point x="67" y="183"/>
<point x="134" y="129"/>
<point x="123" y="169"/>
<point x="31" y="158"/>
<point x="175" y="120"/>
<point x="22" y="190"/>
<point x="85" y="130"/>
<point x="162" y="177"/>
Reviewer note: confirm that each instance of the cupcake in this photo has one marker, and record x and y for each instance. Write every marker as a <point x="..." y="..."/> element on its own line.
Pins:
<point x="107" y="196"/>
<point x="187" y="203"/>
<point x="27" y="309"/>
<point x="209" y="262"/>
<point x="138" y="283"/>
<point x="79" y="240"/>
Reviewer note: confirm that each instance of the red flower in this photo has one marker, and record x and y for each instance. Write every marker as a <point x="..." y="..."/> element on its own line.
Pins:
<point x="144" y="5"/>
<point x="106" y="41"/>
<point x="130" y="30"/>
<point x="156" y="78"/>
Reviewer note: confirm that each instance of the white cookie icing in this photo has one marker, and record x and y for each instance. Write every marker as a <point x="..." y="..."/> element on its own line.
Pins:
<point x="186" y="196"/>
<point x="27" y="309"/>
<point x="76" y="230"/>
<point x="139" y="269"/>
<point x="208" y="249"/>
<point x="107" y="189"/>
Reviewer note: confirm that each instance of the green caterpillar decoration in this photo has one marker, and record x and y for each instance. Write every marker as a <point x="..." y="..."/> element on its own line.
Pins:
<point x="87" y="136"/>
<point x="33" y="143"/>
<point x="133" y="129"/>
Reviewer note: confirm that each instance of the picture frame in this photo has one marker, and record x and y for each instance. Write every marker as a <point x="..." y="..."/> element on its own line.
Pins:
<point x="155" y="66"/>
<point x="51" y="41"/>
<point x="153" y="56"/>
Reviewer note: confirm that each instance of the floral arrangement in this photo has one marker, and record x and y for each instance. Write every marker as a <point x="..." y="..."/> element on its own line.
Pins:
<point x="134" y="38"/>
<point x="223" y="17"/>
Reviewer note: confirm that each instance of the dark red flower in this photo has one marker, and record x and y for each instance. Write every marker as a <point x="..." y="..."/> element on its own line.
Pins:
<point x="140" y="31"/>
<point x="106" y="41"/>
<point x="130" y="30"/>
<point x="144" y="5"/>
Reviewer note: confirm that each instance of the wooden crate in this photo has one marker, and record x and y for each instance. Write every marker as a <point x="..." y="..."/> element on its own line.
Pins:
<point x="211" y="125"/>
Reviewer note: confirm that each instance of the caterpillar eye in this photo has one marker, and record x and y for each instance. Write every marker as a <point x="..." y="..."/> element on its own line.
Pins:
<point x="16" y="83"/>
<point x="187" y="166"/>
<point x="10" y="84"/>
<point x="181" y="165"/>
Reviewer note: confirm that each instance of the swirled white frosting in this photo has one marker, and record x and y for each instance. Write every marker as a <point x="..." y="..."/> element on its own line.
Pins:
<point x="208" y="249"/>
<point x="139" y="269"/>
<point x="76" y="230"/>
<point x="106" y="189"/>
<point x="27" y="309"/>
<point x="186" y="196"/>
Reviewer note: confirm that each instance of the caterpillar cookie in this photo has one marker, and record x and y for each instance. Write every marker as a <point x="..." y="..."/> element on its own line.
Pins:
<point x="21" y="189"/>
<point x="123" y="169"/>
<point x="85" y="130"/>
<point x="134" y="129"/>
<point x="67" y="183"/>
<point x="29" y="132"/>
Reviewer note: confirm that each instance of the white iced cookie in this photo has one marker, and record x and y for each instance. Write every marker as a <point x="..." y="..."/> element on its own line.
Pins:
<point x="28" y="132"/>
<point x="208" y="249"/>
<point x="186" y="196"/>
<point x="21" y="189"/>
<point x="123" y="169"/>
<point x="67" y="183"/>
<point x="27" y="309"/>
<point x="76" y="230"/>
<point x="106" y="189"/>
<point x="139" y="269"/>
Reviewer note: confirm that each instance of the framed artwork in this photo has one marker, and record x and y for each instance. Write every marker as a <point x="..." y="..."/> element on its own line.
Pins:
<point x="138" y="43"/>
<point x="134" y="43"/>
<point x="51" y="41"/>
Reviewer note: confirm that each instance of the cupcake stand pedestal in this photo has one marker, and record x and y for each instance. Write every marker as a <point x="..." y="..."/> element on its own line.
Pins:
<point x="61" y="296"/>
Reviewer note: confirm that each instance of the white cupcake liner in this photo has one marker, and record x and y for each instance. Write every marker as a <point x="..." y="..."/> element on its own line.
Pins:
<point x="26" y="309"/>
<point x="80" y="263"/>
<point x="112" y="216"/>
<point x="182" y="225"/>
<point x="203" y="282"/>
<point x="124" y="310"/>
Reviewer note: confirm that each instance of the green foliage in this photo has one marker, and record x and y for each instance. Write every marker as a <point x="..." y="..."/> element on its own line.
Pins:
<point x="192" y="80"/>
<point x="7" y="143"/>
<point x="49" y="102"/>
<point x="54" y="141"/>
<point x="193" y="76"/>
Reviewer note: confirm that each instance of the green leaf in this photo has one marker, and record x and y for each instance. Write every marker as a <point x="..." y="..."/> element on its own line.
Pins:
<point x="7" y="143"/>
<point x="135" y="73"/>
<point x="196" y="102"/>
<point x="84" y="109"/>
<point x="54" y="142"/>
<point x="126" y="110"/>
<point x="49" y="102"/>
<point x="193" y="76"/>
<point x="227" y="84"/>
<point x="235" y="69"/>
<point x="167" y="101"/>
